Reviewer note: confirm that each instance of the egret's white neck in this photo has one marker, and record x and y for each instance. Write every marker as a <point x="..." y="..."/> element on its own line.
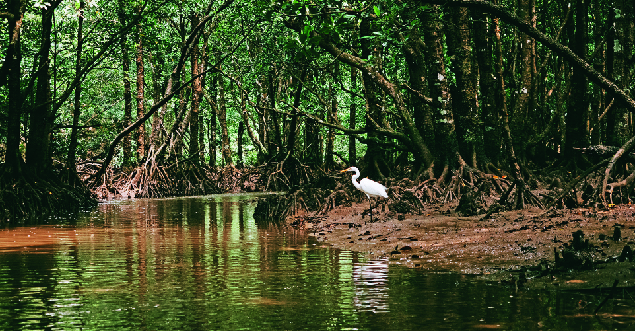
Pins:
<point x="354" y="178"/>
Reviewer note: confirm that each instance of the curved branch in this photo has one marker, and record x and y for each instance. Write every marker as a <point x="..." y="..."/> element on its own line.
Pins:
<point x="623" y="150"/>
<point x="6" y="15"/>
<point x="113" y="145"/>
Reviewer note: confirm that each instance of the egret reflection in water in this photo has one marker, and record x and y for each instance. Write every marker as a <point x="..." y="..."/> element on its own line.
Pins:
<point x="371" y="286"/>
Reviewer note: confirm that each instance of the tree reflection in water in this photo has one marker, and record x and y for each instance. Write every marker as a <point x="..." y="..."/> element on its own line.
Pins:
<point x="204" y="263"/>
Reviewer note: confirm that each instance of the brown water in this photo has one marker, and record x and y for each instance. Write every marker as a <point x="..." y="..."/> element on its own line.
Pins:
<point x="204" y="264"/>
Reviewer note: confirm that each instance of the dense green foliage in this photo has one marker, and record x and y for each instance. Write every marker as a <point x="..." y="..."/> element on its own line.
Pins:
<point x="400" y="87"/>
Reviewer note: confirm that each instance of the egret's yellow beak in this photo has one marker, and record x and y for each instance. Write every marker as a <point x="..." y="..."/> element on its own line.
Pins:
<point x="345" y="170"/>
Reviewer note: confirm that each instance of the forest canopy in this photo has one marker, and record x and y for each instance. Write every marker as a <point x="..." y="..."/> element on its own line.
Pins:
<point x="172" y="97"/>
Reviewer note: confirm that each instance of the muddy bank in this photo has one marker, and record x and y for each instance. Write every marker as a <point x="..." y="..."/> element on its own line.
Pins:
<point x="506" y="244"/>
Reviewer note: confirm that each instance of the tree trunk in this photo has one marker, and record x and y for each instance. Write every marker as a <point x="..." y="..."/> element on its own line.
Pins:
<point x="577" y="113"/>
<point x="239" y="141"/>
<point x="417" y="70"/>
<point x="375" y="166"/>
<point x="211" y="125"/>
<point x="312" y="154"/>
<point x="126" y="145"/>
<point x="625" y="27"/>
<point x="501" y="100"/>
<point x="42" y="118"/>
<point x="445" y="136"/>
<point x="197" y="92"/>
<point x="599" y="63"/>
<point x="141" y="131"/>
<point x="242" y="125"/>
<point x="72" y="149"/>
<point x="262" y="127"/>
<point x="180" y="124"/>
<point x="611" y="137"/>
<point x="293" y="125"/>
<point x="222" y="121"/>
<point x="352" y="122"/>
<point x="562" y="105"/>
<point x="157" y="132"/>
<point x="487" y="85"/>
<point x="523" y="121"/>
<point x="464" y="102"/>
<point x="203" y="59"/>
<point x="211" y="139"/>
<point x="329" y="162"/>
<point x="13" y="159"/>
<point x="273" y="124"/>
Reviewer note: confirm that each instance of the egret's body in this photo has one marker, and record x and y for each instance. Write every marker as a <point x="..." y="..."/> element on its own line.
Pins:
<point x="371" y="188"/>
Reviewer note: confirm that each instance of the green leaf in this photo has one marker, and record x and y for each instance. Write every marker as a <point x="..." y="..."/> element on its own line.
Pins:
<point x="377" y="12"/>
<point x="307" y="30"/>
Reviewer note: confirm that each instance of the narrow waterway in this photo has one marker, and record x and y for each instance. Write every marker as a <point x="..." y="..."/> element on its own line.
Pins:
<point x="203" y="263"/>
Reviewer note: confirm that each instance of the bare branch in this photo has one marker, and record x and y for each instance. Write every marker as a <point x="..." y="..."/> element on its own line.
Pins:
<point x="6" y="15"/>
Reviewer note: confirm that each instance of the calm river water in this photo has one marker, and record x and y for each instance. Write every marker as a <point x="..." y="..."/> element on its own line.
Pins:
<point x="203" y="263"/>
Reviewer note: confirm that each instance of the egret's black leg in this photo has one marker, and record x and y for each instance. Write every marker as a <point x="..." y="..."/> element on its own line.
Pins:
<point x="371" y="209"/>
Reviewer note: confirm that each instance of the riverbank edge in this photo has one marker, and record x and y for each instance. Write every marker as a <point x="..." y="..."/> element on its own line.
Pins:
<point x="33" y="200"/>
<point x="511" y="246"/>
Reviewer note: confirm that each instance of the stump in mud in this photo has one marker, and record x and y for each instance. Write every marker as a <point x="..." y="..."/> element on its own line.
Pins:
<point x="468" y="205"/>
<point x="576" y="254"/>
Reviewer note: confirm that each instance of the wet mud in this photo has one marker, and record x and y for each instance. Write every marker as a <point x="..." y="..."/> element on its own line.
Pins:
<point x="516" y="246"/>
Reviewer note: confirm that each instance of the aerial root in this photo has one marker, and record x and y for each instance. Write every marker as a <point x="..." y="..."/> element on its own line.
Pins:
<point x="333" y="200"/>
<point x="21" y="198"/>
<point x="154" y="181"/>
<point x="288" y="173"/>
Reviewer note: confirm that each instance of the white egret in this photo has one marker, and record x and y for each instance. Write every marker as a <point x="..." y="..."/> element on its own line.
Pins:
<point x="370" y="187"/>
